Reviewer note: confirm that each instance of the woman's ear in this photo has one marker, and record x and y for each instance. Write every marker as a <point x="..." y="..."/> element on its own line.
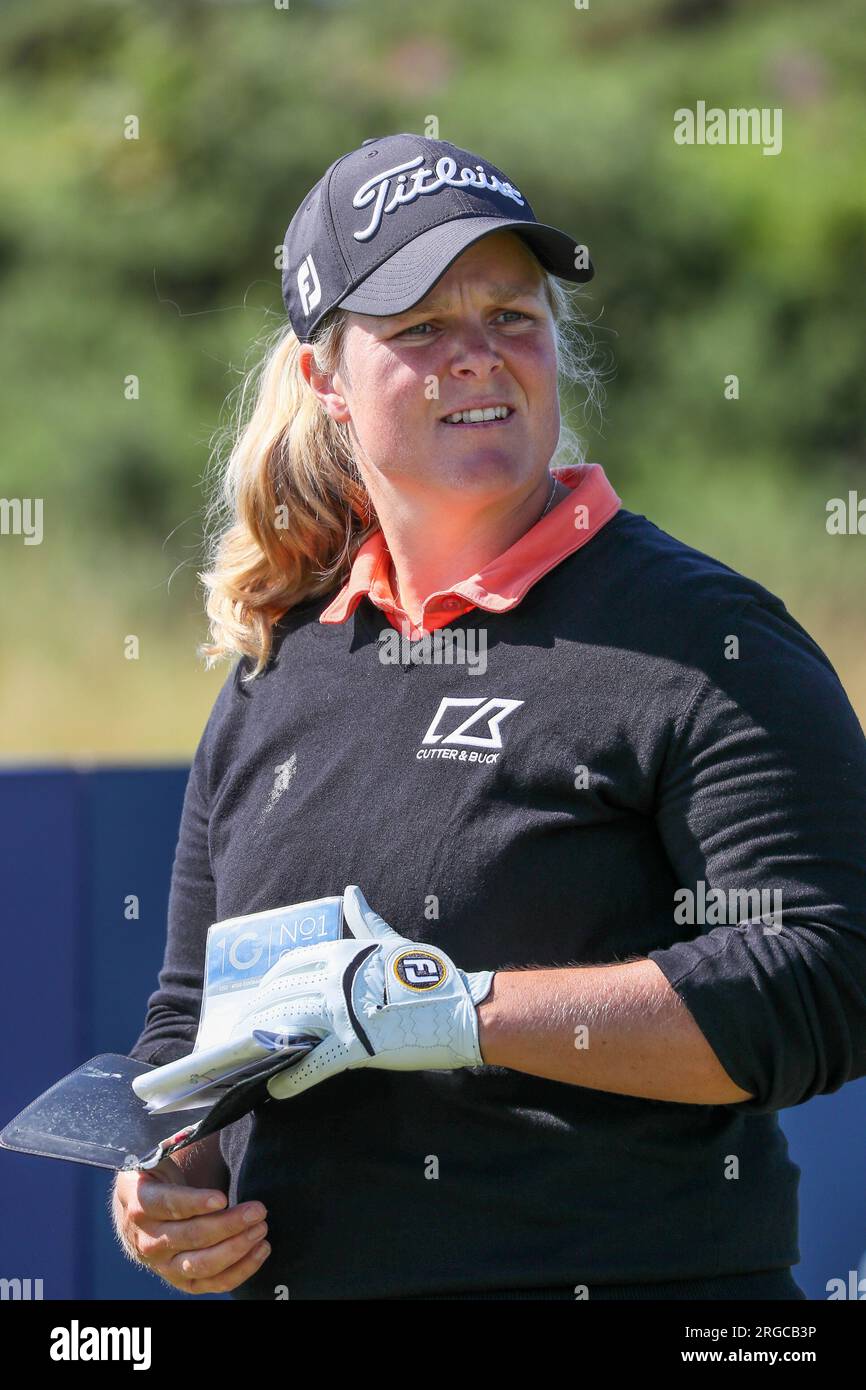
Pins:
<point x="325" y="386"/>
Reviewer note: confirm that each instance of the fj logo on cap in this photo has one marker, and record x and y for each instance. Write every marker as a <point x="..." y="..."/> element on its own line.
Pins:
<point x="375" y="190"/>
<point x="493" y="710"/>
<point x="308" y="286"/>
<point x="419" y="970"/>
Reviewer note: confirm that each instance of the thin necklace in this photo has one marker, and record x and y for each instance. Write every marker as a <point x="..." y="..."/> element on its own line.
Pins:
<point x="550" y="498"/>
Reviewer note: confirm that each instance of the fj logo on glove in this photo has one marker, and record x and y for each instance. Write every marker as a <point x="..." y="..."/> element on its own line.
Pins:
<point x="374" y="999"/>
<point x="419" y="970"/>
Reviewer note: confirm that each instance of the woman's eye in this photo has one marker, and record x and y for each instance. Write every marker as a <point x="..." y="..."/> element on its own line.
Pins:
<point x="411" y="331"/>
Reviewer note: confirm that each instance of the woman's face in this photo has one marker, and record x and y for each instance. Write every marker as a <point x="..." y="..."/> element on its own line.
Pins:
<point x="483" y="335"/>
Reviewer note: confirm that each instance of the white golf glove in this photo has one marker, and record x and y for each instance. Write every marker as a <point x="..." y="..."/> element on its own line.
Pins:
<point x="379" y="1000"/>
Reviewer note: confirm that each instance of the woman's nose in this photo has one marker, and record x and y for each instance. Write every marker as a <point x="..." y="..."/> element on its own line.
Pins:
<point x="474" y="350"/>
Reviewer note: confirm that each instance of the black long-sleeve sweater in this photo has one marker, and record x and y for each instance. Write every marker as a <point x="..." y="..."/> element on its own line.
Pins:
<point x="710" y="765"/>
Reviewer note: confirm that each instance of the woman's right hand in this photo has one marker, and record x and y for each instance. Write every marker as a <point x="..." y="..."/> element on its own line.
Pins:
<point x="172" y="1229"/>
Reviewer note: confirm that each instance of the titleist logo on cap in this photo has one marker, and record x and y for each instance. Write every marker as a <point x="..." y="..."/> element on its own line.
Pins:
<point x="445" y="174"/>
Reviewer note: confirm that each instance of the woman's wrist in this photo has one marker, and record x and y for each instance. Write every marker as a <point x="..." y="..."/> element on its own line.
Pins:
<point x="485" y="1013"/>
<point x="203" y="1165"/>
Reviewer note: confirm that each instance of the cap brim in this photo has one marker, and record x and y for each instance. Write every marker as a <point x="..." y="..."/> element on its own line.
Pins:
<point x="412" y="271"/>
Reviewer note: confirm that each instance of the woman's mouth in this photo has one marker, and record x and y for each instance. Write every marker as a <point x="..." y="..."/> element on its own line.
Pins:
<point x="479" y="419"/>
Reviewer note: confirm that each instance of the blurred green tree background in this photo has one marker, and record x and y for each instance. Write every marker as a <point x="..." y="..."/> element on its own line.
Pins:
<point x="156" y="257"/>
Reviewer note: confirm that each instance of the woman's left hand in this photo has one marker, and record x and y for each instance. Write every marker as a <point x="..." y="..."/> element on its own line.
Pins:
<point x="378" y="1000"/>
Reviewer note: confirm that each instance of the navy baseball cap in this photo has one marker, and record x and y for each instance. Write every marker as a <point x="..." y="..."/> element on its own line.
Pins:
<point x="385" y="221"/>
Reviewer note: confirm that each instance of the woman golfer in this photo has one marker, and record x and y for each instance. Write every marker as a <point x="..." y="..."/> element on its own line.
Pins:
<point x="607" y="827"/>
